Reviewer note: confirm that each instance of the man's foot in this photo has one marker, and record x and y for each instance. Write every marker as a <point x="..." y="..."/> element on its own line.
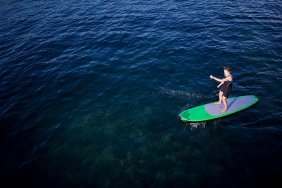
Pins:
<point x="217" y="103"/>
<point x="224" y="110"/>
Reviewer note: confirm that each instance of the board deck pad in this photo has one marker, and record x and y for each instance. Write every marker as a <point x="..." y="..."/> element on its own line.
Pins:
<point x="213" y="111"/>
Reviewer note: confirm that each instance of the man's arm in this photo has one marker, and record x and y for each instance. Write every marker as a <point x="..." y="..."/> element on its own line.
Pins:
<point x="215" y="78"/>
<point x="221" y="80"/>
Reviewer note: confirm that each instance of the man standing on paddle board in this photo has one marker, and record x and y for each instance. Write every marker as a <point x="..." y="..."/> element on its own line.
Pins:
<point x="224" y="87"/>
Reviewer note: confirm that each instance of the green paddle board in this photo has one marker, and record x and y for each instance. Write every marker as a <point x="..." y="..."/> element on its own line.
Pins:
<point x="212" y="111"/>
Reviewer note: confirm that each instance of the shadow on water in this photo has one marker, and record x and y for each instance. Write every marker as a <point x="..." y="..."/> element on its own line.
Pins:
<point x="179" y="93"/>
<point x="201" y="124"/>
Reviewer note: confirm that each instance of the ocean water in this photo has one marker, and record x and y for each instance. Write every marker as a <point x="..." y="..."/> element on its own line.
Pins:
<point x="91" y="90"/>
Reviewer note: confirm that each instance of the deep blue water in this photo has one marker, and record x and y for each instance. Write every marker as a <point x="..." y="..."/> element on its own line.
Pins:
<point x="91" y="90"/>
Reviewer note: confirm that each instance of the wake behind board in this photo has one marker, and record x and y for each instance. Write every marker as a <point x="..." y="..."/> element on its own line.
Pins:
<point x="213" y="111"/>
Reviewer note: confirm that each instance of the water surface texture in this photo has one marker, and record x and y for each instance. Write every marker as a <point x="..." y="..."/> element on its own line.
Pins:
<point x="91" y="90"/>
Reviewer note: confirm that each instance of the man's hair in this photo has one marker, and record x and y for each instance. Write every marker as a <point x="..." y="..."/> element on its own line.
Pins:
<point x="227" y="68"/>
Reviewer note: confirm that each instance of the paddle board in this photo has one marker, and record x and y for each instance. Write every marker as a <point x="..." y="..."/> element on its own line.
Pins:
<point x="212" y="111"/>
